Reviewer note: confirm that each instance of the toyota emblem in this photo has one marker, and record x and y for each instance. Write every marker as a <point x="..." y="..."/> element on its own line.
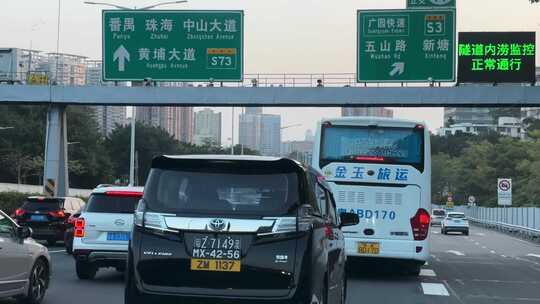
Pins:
<point x="217" y="224"/>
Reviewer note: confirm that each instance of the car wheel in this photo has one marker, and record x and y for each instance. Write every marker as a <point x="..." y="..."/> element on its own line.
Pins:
<point x="68" y="242"/>
<point x="324" y="296"/>
<point x="37" y="284"/>
<point x="85" y="270"/>
<point x="414" y="269"/>
<point x="69" y="248"/>
<point x="132" y="295"/>
<point x="466" y="232"/>
<point x="343" y="296"/>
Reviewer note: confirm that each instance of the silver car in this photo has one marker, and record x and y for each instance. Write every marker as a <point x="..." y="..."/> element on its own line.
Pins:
<point x="24" y="264"/>
<point x="437" y="216"/>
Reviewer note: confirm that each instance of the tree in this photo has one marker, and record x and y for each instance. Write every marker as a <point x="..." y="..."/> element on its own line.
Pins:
<point x="21" y="146"/>
<point x="150" y="142"/>
<point x="532" y="127"/>
<point x="497" y="113"/>
<point x="89" y="162"/>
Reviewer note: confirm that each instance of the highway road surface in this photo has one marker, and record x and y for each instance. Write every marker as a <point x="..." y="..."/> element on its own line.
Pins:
<point x="486" y="267"/>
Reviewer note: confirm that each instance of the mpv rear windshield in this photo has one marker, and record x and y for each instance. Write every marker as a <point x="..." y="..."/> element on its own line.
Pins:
<point x="223" y="189"/>
<point x="456" y="215"/>
<point x="44" y="205"/>
<point x="102" y="203"/>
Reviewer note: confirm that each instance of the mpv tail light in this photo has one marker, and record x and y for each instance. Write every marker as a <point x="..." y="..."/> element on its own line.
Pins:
<point x="79" y="227"/>
<point x="420" y="225"/>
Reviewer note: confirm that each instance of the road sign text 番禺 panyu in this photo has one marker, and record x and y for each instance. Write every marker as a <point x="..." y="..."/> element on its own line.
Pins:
<point x="173" y="45"/>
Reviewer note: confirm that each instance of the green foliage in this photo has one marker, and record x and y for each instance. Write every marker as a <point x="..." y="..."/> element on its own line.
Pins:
<point x="151" y="142"/>
<point x="92" y="159"/>
<point x="496" y="113"/>
<point x="9" y="201"/>
<point x="473" y="166"/>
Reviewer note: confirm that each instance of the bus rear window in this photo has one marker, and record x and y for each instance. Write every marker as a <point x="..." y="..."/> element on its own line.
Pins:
<point x="372" y="145"/>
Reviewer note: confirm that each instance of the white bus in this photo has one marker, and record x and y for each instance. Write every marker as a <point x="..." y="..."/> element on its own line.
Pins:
<point x="380" y="169"/>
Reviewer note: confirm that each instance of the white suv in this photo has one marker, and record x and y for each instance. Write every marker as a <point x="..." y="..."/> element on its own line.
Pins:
<point x="455" y="222"/>
<point x="102" y="232"/>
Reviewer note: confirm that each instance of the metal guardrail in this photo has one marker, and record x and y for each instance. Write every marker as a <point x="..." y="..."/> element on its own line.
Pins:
<point x="264" y="80"/>
<point x="523" y="222"/>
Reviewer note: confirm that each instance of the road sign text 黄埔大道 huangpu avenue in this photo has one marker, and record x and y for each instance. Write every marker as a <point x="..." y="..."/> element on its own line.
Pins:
<point x="173" y="45"/>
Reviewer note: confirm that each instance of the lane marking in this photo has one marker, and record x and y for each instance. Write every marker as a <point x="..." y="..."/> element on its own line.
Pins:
<point x="435" y="232"/>
<point x="534" y="255"/>
<point x="484" y="247"/>
<point x="57" y="251"/>
<point x="454" y="293"/>
<point x="502" y="255"/>
<point x="504" y="299"/>
<point x="435" y="258"/>
<point x="434" y="289"/>
<point x="480" y="234"/>
<point x="492" y="251"/>
<point x="427" y="273"/>
<point x="476" y="243"/>
<point x="458" y="253"/>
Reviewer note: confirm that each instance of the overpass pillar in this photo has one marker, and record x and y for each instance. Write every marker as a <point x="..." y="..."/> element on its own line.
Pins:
<point x="55" y="179"/>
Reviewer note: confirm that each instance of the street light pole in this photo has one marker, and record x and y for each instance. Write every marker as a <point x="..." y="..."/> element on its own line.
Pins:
<point x="232" y="133"/>
<point x="132" y="150"/>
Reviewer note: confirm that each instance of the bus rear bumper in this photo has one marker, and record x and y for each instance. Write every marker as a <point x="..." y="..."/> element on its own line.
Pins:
<point x="390" y="249"/>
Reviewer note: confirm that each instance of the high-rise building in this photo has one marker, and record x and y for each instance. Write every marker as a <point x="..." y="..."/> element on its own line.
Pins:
<point x="260" y="132"/>
<point x="107" y="117"/>
<point x="254" y="110"/>
<point x="309" y="135"/>
<point x="270" y="134"/>
<point x="207" y="128"/>
<point x="177" y="121"/>
<point x="66" y="69"/>
<point x="364" y="111"/>
<point x="467" y="115"/>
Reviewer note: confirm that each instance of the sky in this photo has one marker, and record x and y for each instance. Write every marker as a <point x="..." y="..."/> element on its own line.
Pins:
<point x="281" y="36"/>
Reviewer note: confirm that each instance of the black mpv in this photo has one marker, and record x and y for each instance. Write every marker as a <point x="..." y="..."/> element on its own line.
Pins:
<point x="236" y="229"/>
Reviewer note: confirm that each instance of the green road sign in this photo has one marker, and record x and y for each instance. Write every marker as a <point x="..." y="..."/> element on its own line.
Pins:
<point x="431" y="3"/>
<point x="173" y="45"/>
<point x="406" y="45"/>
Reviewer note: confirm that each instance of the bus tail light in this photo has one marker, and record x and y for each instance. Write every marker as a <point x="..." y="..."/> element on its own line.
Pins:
<point x="79" y="227"/>
<point x="420" y="225"/>
<point x="370" y="158"/>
